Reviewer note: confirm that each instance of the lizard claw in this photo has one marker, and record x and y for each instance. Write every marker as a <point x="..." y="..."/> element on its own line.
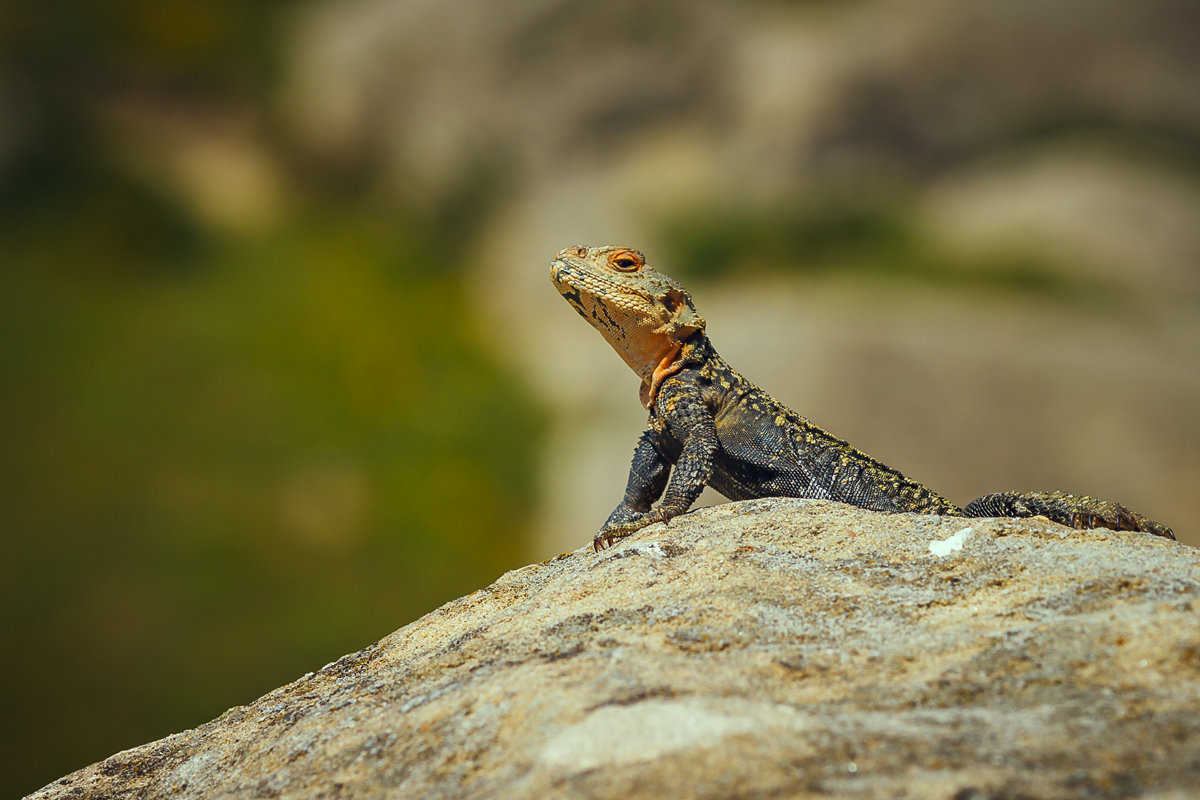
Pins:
<point x="612" y="533"/>
<point x="604" y="539"/>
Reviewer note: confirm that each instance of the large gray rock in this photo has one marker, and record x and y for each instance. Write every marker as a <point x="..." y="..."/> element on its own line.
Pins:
<point x="767" y="648"/>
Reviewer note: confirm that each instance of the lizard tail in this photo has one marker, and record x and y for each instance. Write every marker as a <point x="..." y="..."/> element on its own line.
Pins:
<point x="1069" y="509"/>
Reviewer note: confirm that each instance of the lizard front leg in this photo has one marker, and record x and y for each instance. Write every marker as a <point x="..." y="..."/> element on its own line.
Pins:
<point x="647" y="478"/>
<point x="691" y="423"/>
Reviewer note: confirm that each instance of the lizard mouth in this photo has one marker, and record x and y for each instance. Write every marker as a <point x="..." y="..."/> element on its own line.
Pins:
<point x="564" y="278"/>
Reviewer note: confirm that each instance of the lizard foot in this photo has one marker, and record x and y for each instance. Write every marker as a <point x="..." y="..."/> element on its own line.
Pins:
<point x="612" y="533"/>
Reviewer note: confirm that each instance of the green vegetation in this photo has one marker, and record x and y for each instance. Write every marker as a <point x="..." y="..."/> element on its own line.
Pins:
<point x="227" y="459"/>
<point x="217" y="478"/>
<point x="825" y="238"/>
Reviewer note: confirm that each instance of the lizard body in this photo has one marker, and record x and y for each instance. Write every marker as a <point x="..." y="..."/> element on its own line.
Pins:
<point x="711" y="426"/>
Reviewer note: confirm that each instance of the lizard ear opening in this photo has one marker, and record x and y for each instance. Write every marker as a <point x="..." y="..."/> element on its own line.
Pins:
<point x="684" y="318"/>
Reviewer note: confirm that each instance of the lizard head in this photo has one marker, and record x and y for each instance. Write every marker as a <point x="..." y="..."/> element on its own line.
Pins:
<point x="644" y="315"/>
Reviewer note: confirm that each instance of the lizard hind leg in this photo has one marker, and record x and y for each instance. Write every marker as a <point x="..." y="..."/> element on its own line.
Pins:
<point x="1075" y="511"/>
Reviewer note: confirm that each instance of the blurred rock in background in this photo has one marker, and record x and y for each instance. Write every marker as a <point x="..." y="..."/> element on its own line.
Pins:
<point x="278" y="335"/>
<point x="959" y="234"/>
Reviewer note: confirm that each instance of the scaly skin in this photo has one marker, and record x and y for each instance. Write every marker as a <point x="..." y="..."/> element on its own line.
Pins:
<point x="715" y="428"/>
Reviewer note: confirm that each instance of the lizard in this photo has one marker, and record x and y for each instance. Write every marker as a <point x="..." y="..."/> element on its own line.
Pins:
<point x="710" y="426"/>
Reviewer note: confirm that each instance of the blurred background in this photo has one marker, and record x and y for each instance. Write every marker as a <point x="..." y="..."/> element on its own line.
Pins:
<point x="281" y="367"/>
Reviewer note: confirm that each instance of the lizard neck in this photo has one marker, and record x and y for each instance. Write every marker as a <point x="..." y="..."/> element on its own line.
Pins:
<point x="675" y="356"/>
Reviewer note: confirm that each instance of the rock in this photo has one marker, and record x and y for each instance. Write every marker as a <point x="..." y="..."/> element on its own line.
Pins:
<point x="769" y="98"/>
<point x="765" y="648"/>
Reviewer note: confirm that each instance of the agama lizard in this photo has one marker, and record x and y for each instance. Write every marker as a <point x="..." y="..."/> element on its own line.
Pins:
<point x="709" y="426"/>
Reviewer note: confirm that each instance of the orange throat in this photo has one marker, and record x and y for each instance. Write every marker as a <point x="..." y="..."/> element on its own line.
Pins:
<point x="668" y="365"/>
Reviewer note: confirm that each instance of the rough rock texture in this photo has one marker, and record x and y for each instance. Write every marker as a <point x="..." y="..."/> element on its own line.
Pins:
<point x="771" y="648"/>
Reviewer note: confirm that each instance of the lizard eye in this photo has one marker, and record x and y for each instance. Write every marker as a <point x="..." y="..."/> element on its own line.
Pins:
<point x="625" y="261"/>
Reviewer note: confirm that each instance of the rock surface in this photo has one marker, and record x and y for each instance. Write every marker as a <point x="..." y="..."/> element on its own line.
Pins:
<point x="771" y="648"/>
